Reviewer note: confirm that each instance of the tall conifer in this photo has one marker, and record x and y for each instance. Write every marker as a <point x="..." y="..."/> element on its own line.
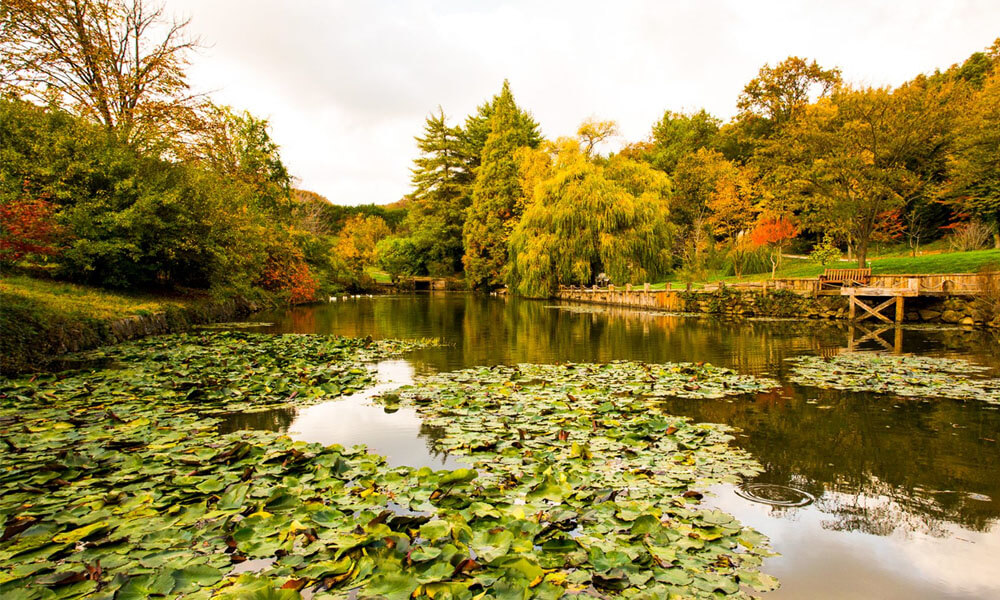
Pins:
<point x="441" y="182"/>
<point x="495" y="194"/>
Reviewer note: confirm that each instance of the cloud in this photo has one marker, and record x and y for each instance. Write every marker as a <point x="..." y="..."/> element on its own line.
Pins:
<point x="347" y="85"/>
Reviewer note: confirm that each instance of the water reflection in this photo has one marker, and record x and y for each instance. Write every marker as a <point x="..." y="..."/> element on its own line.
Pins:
<point x="399" y="435"/>
<point x="907" y="491"/>
<point x="824" y="562"/>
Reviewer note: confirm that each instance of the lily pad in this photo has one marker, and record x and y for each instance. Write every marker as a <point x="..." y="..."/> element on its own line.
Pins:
<point x="900" y="375"/>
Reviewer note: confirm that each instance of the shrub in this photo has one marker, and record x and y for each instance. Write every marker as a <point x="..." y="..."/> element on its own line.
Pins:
<point x="970" y="235"/>
<point x="824" y="252"/>
<point x="27" y="227"/>
<point x="286" y="271"/>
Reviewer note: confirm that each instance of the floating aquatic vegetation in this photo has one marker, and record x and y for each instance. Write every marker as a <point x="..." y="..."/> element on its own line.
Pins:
<point x="902" y="375"/>
<point x="117" y="484"/>
<point x="220" y="372"/>
<point x="589" y="448"/>
<point x="235" y="325"/>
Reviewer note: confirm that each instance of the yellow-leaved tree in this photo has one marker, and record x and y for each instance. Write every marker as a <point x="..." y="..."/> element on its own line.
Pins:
<point x="586" y="216"/>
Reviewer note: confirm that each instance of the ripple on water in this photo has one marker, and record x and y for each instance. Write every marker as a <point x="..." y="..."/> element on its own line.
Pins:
<point x="775" y="495"/>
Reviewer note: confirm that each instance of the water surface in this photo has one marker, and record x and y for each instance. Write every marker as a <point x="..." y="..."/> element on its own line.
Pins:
<point x="907" y="491"/>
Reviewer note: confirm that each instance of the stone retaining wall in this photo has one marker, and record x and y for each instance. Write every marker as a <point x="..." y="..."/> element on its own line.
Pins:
<point x="37" y="340"/>
<point x="961" y="310"/>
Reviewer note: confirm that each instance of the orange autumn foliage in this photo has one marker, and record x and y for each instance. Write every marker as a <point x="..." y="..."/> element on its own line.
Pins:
<point x="27" y="227"/>
<point x="287" y="271"/>
<point x="773" y="231"/>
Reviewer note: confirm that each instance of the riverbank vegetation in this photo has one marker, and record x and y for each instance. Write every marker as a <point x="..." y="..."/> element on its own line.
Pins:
<point x="945" y="262"/>
<point x="810" y="164"/>
<point x="115" y="174"/>
<point x="120" y="176"/>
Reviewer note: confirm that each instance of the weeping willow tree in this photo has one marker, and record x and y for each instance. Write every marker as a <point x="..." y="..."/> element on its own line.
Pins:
<point x="585" y="217"/>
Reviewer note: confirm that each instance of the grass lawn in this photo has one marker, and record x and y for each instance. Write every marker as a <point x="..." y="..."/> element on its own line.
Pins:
<point x="945" y="262"/>
<point x="80" y="300"/>
<point x="378" y="276"/>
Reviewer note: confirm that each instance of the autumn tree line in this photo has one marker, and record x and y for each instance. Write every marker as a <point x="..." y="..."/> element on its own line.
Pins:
<point x="113" y="172"/>
<point x="810" y="162"/>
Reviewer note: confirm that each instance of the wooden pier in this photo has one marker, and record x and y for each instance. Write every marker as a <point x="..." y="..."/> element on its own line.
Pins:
<point x="858" y="295"/>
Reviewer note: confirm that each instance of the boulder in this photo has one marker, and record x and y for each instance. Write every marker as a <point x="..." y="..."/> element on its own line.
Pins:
<point x="929" y="315"/>
<point x="951" y="316"/>
<point x="967" y="321"/>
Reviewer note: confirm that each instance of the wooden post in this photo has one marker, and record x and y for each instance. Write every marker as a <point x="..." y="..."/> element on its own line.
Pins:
<point x="628" y="287"/>
<point x="645" y="287"/>
<point x="898" y="340"/>
<point x="900" y="316"/>
<point x="853" y="308"/>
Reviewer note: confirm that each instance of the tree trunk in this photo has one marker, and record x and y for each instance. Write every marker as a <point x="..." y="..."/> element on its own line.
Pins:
<point x="996" y="241"/>
<point x="862" y="254"/>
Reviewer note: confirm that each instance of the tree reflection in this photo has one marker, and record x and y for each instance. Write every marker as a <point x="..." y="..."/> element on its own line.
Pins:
<point x="278" y="419"/>
<point x="876" y="464"/>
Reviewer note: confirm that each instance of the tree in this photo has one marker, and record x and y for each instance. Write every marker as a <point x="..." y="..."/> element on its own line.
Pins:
<point x="732" y="205"/>
<point x="773" y="232"/>
<point x="120" y="63"/>
<point x="695" y="184"/>
<point x="778" y="93"/>
<point x="441" y="180"/>
<point x="497" y="199"/>
<point x="358" y="239"/>
<point x="478" y="127"/>
<point x="585" y="218"/>
<point x="849" y="159"/>
<point x="398" y="256"/>
<point x="678" y="134"/>
<point x="593" y="132"/>
<point x="238" y="145"/>
<point x="973" y="185"/>
<point x="27" y="226"/>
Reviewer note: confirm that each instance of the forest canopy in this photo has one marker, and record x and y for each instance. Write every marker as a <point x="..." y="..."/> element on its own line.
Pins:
<point x="115" y="172"/>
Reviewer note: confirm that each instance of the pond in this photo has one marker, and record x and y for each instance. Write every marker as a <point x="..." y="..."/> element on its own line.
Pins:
<point x="863" y="495"/>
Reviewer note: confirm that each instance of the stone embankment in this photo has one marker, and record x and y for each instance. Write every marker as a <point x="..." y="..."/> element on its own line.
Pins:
<point x="967" y="310"/>
<point x="36" y="340"/>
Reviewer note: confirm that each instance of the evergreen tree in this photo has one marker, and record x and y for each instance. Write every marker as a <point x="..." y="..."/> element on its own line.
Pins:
<point x="496" y="193"/>
<point x="442" y="183"/>
<point x="477" y="129"/>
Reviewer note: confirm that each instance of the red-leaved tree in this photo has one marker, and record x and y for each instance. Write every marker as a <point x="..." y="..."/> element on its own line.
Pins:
<point x="774" y="232"/>
<point x="27" y="226"/>
<point x="287" y="271"/>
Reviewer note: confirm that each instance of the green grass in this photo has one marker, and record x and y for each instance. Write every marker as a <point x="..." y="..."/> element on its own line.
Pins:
<point x="82" y="301"/>
<point x="41" y="318"/>
<point x="378" y="276"/>
<point x="945" y="262"/>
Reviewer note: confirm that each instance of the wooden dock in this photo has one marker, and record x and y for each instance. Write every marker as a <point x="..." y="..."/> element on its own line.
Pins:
<point x="858" y="295"/>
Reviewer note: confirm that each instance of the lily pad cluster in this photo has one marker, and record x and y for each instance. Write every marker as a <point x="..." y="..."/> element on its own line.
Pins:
<point x="219" y="372"/>
<point x="610" y="477"/>
<point x="116" y="483"/>
<point x="901" y="375"/>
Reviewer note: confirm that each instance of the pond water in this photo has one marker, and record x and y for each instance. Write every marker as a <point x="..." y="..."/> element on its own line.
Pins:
<point x="864" y="496"/>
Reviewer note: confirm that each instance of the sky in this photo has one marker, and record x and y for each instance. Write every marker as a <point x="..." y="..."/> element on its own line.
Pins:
<point x="347" y="85"/>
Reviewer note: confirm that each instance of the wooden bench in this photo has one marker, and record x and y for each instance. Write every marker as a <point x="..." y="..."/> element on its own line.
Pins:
<point x="833" y="278"/>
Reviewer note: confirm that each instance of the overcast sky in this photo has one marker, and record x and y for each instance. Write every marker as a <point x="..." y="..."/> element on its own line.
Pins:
<point x="346" y="85"/>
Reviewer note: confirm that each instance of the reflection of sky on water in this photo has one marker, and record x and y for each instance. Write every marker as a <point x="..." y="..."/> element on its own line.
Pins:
<point x="819" y="561"/>
<point x="399" y="436"/>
